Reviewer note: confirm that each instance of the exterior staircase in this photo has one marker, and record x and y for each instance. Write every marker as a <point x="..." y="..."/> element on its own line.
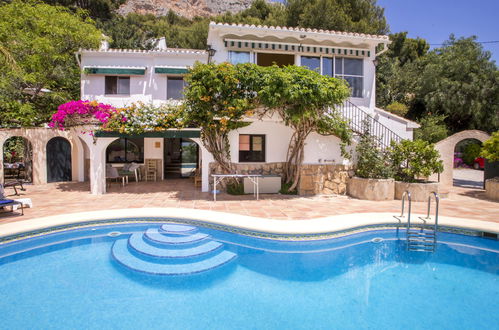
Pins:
<point x="359" y="120"/>
<point x="171" y="250"/>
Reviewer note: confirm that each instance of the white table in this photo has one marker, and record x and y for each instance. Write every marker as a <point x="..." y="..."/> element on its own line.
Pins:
<point x="219" y="177"/>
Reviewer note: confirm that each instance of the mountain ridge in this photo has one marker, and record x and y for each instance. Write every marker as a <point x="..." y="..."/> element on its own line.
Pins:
<point x="185" y="8"/>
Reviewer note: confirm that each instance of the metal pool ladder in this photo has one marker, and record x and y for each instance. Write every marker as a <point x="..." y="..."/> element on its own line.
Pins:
<point x="422" y="237"/>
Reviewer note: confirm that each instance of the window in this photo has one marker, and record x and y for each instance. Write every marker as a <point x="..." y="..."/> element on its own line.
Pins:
<point x="251" y="148"/>
<point x="126" y="151"/>
<point x="239" y="57"/>
<point x="115" y="85"/>
<point x="352" y="70"/>
<point x="175" y="88"/>
<point x="313" y="63"/>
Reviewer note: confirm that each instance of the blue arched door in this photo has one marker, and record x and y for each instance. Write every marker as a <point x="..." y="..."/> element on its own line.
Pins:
<point x="58" y="160"/>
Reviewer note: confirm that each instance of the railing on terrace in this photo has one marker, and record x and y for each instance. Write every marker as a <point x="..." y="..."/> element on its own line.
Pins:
<point x="360" y="120"/>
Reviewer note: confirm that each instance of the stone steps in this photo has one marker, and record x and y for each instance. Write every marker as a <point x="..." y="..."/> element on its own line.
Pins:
<point x="137" y="243"/>
<point x="170" y="250"/>
<point x="123" y="256"/>
<point x="153" y="234"/>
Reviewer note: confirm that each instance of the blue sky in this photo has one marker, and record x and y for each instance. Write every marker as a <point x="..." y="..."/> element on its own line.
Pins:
<point x="435" y="20"/>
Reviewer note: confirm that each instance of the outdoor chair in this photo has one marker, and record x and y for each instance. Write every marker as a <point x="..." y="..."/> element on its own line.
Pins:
<point x="132" y="169"/>
<point x="15" y="184"/>
<point x="9" y="202"/>
<point x="112" y="174"/>
<point x="197" y="177"/>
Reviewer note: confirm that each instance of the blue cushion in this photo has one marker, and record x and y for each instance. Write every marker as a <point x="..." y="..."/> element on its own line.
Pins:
<point x="6" y="201"/>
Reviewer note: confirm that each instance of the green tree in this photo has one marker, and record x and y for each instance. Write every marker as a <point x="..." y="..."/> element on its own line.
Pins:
<point x="414" y="160"/>
<point x="490" y="148"/>
<point x="397" y="70"/>
<point x="42" y="41"/>
<point x="343" y="15"/>
<point x="217" y="97"/>
<point x="432" y="129"/>
<point x="306" y="101"/>
<point x="372" y="162"/>
<point x="460" y="81"/>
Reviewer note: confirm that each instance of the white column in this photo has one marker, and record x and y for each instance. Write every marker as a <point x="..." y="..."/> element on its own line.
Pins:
<point x="97" y="148"/>
<point x="206" y="159"/>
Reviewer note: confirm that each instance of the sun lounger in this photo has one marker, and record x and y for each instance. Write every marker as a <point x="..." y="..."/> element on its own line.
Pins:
<point x="9" y="202"/>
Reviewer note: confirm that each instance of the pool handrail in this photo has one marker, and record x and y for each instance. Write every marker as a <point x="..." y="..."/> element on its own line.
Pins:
<point x="437" y="203"/>
<point x="407" y="194"/>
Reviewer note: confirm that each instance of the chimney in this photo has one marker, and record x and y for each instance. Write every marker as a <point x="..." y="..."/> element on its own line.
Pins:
<point x="160" y="44"/>
<point x="104" y="44"/>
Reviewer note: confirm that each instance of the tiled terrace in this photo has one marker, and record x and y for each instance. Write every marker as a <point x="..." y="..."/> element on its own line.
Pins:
<point x="61" y="198"/>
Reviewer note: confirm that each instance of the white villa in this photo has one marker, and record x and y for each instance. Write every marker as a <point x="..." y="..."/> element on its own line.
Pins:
<point x="123" y="76"/>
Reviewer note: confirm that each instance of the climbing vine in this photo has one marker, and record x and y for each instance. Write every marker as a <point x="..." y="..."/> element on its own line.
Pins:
<point x="217" y="99"/>
<point x="306" y="101"/>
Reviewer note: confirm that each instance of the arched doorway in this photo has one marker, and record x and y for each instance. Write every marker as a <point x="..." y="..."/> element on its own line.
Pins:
<point x="468" y="165"/>
<point x="58" y="160"/>
<point x="450" y="153"/>
<point x="17" y="160"/>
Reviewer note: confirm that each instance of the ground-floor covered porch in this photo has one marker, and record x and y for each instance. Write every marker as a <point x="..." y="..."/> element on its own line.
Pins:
<point x="62" y="198"/>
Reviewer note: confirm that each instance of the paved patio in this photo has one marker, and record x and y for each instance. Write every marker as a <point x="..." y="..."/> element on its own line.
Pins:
<point x="61" y="198"/>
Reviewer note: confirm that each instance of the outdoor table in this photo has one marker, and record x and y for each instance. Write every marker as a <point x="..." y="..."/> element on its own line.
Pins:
<point x="219" y="177"/>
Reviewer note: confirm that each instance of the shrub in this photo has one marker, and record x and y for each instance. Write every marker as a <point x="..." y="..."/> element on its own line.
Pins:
<point x="372" y="163"/>
<point x="397" y="108"/>
<point x="471" y="151"/>
<point x="433" y="129"/>
<point x="235" y="188"/>
<point x="285" y="189"/>
<point x="414" y="160"/>
<point x="490" y="148"/>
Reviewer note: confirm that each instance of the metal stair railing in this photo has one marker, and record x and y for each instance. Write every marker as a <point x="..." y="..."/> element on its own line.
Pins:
<point x="357" y="120"/>
<point x="424" y="238"/>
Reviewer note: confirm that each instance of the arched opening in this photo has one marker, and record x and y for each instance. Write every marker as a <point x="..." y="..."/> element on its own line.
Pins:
<point x="468" y="165"/>
<point x="17" y="160"/>
<point x="125" y="150"/>
<point x="59" y="160"/>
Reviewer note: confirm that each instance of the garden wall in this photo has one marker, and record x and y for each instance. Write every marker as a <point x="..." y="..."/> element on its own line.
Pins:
<point x="317" y="179"/>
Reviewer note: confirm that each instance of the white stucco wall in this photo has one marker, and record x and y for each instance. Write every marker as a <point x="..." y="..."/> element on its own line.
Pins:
<point x="401" y="126"/>
<point x="147" y="88"/>
<point x="318" y="148"/>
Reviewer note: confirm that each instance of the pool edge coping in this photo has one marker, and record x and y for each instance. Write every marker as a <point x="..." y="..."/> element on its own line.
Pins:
<point x="337" y="223"/>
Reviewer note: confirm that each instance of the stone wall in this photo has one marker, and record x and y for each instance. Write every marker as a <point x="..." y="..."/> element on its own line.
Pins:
<point x="254" y="168"/>
<point x="263" y="168"/>
<point x="327" y="179"/>
<point x="316" y="179"/>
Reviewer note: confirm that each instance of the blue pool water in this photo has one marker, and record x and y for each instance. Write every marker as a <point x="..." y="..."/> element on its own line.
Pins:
<point x="73" y="280"/>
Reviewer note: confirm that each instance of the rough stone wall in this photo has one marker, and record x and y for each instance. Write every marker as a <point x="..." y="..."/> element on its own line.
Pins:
<point x="324" y="179"/>
<point x="264" y="168"/>
<point x="315" y="179"/>
<point x="186" y="8"/>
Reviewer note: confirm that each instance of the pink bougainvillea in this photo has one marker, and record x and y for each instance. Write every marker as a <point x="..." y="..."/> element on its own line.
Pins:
<point x="81" y="112"/>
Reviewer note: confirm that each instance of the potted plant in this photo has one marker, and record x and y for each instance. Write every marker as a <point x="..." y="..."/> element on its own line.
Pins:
<point x="373" y="173"/>
<point x="413" y="162"/>
<point x="490" y="151"/>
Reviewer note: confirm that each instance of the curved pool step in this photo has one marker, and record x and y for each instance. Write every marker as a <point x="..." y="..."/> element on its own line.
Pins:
<point x="155" y="236"/>
<point x="137" y="243"/>
<point x="123" y="256"/>
<point x="177" y="229"/>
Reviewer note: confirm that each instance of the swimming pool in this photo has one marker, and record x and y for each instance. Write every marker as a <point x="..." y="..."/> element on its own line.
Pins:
<point x="100" y="277"/>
